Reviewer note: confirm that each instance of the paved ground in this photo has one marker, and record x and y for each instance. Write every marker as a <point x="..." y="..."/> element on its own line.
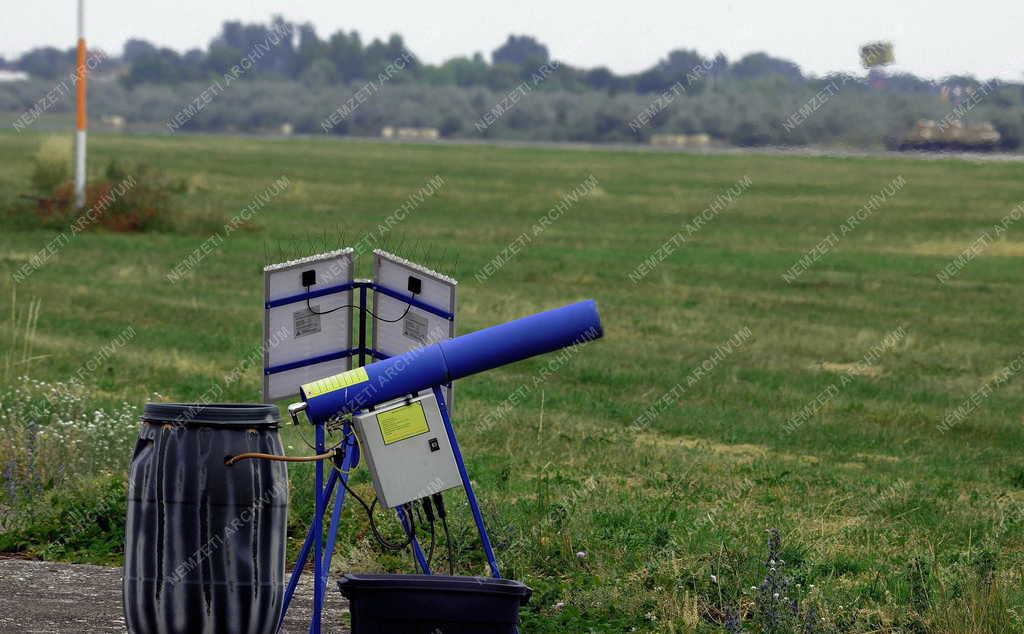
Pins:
<point x="49" y="598"/>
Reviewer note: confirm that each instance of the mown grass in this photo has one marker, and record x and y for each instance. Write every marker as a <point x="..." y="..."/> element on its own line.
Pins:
<point x="888" y="523"/>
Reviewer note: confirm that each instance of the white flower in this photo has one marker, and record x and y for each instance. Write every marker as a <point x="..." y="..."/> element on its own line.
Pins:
<point x="560" y="605"/>
<point x="714" y="579"/>
<point x="581" y="554"/>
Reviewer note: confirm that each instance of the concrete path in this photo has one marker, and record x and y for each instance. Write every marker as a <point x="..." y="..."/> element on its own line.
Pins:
<point x="47" y="598"/>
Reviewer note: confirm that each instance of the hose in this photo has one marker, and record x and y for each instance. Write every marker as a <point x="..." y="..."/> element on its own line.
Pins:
<point x="254" y="455"/>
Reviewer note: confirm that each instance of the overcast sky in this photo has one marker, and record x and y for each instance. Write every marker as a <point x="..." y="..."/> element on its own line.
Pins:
<point x="932" y="38"/>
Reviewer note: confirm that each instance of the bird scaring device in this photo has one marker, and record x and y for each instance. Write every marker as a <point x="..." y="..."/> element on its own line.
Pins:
<point x="394" y="411"/>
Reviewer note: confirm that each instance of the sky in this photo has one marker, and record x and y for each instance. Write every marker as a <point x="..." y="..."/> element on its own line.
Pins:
<point x="932" y="38"/>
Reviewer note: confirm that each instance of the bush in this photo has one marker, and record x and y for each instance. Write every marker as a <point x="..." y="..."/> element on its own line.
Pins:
<point x="51" y="166"/>
<point x="130" y="197"/>
<point x="135" y="198"/>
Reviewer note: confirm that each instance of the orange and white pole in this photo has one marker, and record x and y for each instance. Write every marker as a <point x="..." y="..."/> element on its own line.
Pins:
<point x="81" y="123"/>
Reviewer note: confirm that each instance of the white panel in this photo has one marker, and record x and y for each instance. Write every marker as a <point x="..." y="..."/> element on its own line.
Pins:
<point x="291" y="333"/>
<point x="419" y="327"/>
<point x="284" y="384"/>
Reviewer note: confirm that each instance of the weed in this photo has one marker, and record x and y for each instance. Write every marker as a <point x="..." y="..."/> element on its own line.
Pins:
<point x="51" y="164"/>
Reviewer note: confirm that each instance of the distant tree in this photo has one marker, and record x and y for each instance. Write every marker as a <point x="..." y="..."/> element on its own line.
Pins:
<point x="681" y="62"/>
<point x="1010" y="128"/>
<point x="46" y="62"/>
<point x="161" y="66"/>
<point x="310" y="49"/>
<point x="684" y="67"/>
<point x="192" y="66"/>
<point x="379" y="55"/>
<point x="521" y="50"/>
<point x="345" y="51"/>
<point x="599" y="78"/>
<point x="762" y="65"/>
<point x="877" y="54"/>
<point x="464" y="71"/>
<point x="320" y="73"/>
<point x="720" y="66"/>
<point x="271" y="47"/>
<point x="135" y="49"/>
<point x="652" y="80"/>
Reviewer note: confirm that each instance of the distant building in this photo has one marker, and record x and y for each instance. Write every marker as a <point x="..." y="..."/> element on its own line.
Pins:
<point x="116" y="121"/>
<point x="13" y="75"/>
<point x="414" y="134"/>
<point x="681" y="140"/>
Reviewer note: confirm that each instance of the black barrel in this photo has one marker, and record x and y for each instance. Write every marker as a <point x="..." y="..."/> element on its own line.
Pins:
<point x="205" y="543"/>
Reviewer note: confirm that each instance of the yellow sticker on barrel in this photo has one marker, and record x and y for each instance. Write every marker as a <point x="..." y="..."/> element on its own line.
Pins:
<point x="402" y="422"/>
<point x="336" y="382"/>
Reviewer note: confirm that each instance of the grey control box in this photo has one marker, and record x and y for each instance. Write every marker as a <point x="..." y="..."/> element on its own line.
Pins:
<point x="407" y="451"/>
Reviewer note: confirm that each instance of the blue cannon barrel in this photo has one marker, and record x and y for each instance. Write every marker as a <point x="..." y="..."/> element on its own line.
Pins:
<point x="453" y="359"/>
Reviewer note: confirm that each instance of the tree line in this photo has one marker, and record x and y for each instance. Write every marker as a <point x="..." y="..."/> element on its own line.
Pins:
<point x="290" y="72"/>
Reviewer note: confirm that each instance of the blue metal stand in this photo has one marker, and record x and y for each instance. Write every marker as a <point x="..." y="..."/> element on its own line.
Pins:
<point x="478" y="517"/>
<point x="314" y="544"/>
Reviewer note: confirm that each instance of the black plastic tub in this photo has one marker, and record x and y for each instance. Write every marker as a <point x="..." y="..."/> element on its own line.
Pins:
<point x="426" y="604"/>
<point x="204" y="544"/>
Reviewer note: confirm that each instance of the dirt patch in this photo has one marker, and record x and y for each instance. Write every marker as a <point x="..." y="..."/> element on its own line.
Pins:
<point x="953" y="248"/>
<point x="878" y="457"/>
<point x="852" y="369"/>
<point x="45" y="597"/>
<point x="740" y="450"/>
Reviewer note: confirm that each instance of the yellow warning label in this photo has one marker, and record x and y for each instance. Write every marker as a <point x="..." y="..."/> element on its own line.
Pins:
<point x="402" y="422"/>
<point x="336" y="382"/>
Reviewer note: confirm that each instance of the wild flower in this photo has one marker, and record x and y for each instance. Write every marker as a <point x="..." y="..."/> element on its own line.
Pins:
<point x="776" y="608"/>
<point x="733" y="624"/>
<point x="53" y="430"/>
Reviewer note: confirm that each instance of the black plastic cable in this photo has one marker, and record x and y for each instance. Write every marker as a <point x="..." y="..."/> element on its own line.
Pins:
<point x="383" y="541"/>
<point x="428" y="510"/>
<point x="443" y="514"/>
<point x="372" y="314"/>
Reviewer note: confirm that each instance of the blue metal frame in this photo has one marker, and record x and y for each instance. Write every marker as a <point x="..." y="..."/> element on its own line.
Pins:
<point x="474" y="506"/>
<point x="390" y="292"/>
<point x="284" y="367"/>
<point x="301" y="297"/>
<point x="323" y="551"/>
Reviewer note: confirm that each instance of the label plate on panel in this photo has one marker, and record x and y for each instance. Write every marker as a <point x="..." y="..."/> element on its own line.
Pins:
<point x="306" y="322"/>
<point x="415" y="327"/>
<point x="402" y="423"/>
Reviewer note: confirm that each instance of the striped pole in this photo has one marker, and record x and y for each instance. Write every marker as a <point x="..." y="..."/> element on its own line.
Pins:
<point x="82" y="119"/>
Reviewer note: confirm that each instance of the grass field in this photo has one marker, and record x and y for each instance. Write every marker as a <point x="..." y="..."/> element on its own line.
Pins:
<point x="867" y="410"/>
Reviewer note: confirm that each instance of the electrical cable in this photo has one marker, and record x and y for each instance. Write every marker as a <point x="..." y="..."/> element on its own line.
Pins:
<point x="372" y="314"/>
<point x="302" y="437"/>
<point x="430" y="552"/>
<point x="383" y="541"/>
<point x="428" y="510"/>
<point x="443" y="514"/>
